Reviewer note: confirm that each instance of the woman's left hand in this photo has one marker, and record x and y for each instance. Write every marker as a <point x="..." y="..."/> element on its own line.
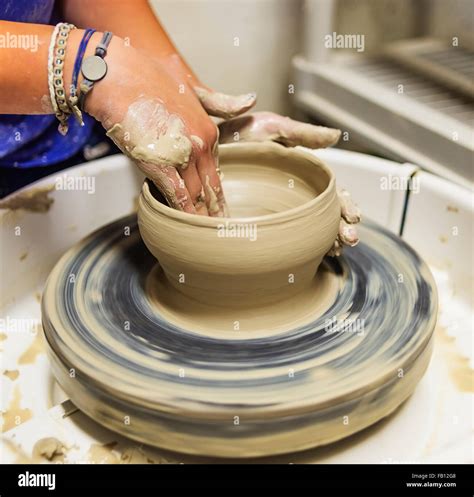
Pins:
<point x="267" y="126"/>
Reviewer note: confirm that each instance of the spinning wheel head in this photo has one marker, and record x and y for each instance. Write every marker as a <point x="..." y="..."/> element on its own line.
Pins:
<point x="232" y="395"/>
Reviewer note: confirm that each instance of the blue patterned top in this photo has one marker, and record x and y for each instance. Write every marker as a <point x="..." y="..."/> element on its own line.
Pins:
<point x="34" y="141"/>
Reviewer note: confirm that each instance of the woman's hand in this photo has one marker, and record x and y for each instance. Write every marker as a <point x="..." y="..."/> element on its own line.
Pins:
<point x="264" y="126"/>
<point x="158" y="120"/>
<point x="155" y="97"/>
<point x="350" y="216"/>
<point x="159" y="116"/>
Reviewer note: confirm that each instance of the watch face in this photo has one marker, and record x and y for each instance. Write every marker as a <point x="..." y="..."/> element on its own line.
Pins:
<point x="94" y="68"/>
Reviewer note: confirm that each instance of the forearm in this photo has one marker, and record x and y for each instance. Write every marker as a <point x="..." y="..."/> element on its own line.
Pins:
<point x="24" y="71"/>
<point x="133" y="20"/>
<point x="130" y="19"/>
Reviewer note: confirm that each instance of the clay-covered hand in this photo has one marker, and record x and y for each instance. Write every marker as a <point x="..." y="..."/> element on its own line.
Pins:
<point x="264" y="126"/>
<point x="350" y="216"/>
<point x="258" y="126"/>
<point x="160" y="122"/>
<point x="214" y="103"/>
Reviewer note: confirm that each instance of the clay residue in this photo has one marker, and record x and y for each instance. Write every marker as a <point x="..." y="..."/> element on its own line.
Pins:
<point x="223" y="105"/>
<point x="36" y="348"/>
<point x="34" y="199"/>
<point x="151" y="135"/>
<point x="267" y="126"/>
<point x="134" y="455"/>
<point x="12" y="374"/>
<point x="15" y="414"/>
<point x="21" y="456"/>
<point x="460" y="373"/>
<point x="101" y="454"/>
<point x="198" y="141"/>
<point x="49" y="448"/>
<point x="158" y="142"/>
<point x="211" y="195"/>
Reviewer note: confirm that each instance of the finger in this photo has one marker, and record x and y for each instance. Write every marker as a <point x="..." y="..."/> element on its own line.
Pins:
<point x="263" y="126"/>
<point x="173" y="188"/>
<point x="349" y="210"/>
<point x="217" y="177"/>
<point x="335" y="250"/>
<point x="164" y="175"/>
<point x="347" y="234"/>
<point x="243" y="128"/>
<point x="209" y="174"/>
<point x="194" y="186"/>
<point x="293" y="133"/>
<point x="222" y="105"/>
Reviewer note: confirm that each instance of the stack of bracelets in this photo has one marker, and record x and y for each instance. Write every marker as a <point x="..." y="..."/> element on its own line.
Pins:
<point x="93" y="69"/>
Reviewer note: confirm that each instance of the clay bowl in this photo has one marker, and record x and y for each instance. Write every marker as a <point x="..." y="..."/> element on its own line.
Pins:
<point x="284" y="218"/>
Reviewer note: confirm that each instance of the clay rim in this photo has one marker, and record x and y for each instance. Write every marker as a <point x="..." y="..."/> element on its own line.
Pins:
<point x="287" y="215"/>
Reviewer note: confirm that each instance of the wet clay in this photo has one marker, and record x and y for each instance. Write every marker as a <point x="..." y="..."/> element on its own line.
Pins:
<point x="222" y="105"/>
<point x="252" y="322"/>
<point x="15" y="414"/>
<point x="133" y="455"/>
<point x="49" y="448"/>
<point x="101" y="454"/>
<point x="155" y="140"/>
<point x="21" y="456"/>
<point x="34" y="199"/>
<point x="460" y="373"/>
<point x="284" y="218"/>
<point x="36" y="348"/>
<point x="11" y="374"/>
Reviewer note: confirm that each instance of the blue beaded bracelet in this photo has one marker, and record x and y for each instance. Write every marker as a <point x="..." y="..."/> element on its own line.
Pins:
<point x="73" y="99"/>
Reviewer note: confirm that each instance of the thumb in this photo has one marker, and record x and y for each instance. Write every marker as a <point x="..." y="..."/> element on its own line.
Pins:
<point x="226" y="106"/>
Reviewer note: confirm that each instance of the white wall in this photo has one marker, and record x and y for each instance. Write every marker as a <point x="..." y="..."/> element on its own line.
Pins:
<point x="268" y="32"/>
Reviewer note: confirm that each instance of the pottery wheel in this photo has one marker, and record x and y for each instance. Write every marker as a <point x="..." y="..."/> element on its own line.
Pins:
<point x="131" y="369"/>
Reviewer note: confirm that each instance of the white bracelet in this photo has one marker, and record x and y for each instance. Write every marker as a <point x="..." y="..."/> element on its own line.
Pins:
<point x="57" y="92"/>
<point x="52" y="45"/>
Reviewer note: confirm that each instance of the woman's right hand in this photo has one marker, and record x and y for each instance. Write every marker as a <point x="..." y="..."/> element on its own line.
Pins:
<point x="160" y="123"/>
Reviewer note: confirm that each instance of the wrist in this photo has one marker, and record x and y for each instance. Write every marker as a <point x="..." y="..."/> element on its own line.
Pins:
<point x="100" y="96"/>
